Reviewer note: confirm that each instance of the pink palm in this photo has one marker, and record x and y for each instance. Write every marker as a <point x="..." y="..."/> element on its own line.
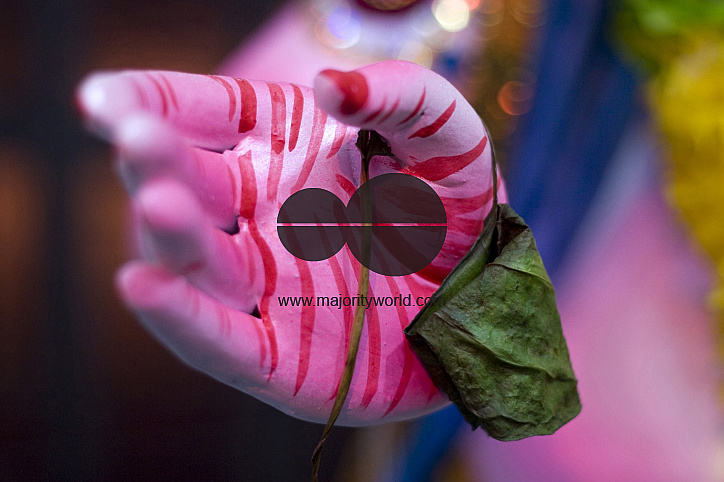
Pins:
<point x="202" y="155"/>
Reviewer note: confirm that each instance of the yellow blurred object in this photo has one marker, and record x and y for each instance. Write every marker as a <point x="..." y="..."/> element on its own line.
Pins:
<point x="687" y="95"/>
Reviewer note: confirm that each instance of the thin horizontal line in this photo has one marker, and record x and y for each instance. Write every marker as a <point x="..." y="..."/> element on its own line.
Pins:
<point x="360" y="224"/>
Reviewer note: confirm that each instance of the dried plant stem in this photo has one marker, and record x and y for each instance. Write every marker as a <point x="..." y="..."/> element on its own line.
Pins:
<point x="364" y="144"/>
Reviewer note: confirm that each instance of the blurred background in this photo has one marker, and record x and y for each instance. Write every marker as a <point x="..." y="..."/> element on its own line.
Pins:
<point x="85" y="392"/>
<point x="586" y="102"/>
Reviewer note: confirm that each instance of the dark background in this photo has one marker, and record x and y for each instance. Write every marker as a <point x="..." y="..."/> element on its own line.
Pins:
<point x="85" y="392"/>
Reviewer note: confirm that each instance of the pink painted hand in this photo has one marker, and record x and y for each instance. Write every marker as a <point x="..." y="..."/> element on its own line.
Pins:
<point x="209" y="160"/>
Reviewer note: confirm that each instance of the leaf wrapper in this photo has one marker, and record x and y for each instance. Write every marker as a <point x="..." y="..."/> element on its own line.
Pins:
<point x="492" y="339"/>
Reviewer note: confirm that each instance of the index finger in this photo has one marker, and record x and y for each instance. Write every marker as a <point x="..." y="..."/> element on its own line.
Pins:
<point x="428" y="123"/>
<point x="213" y="112"/>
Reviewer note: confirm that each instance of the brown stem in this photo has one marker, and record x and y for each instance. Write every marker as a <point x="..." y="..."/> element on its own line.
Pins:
<point x="364" y="144"/>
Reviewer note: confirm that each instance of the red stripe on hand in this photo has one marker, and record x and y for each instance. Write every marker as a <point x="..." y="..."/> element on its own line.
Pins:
<point x="141" y="93"/>
<point x="438" y="168"/>
<point x="374" y="353"/>
<point x="409" y="356"/>
<point x="247" y="116"/>
<point x="454" y="206"/>
<point x="373" y="115"/>
<point x="435" y="126"/>
<point x="315" y="142"/>
<point x="170" y="90"/>
<point x="393" y="109"/>
<point x="278" y="131"/>
<point x="161" y="93"/>
<point x="417" y="108"/>
<point x="347" y="314"/>
<point x="307" y="324"/>
<point x="340" y="131"/>
<point x="248" y="207"/>
<point x="230" y="93"/>
<point x="345" y="184"/>
<point x="354" y="88"/>
<point x="297" y="113"/>
<point x="468" y="226"/>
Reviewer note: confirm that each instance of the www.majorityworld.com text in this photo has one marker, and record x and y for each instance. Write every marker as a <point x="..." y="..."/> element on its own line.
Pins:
<point x="359" y="300"/>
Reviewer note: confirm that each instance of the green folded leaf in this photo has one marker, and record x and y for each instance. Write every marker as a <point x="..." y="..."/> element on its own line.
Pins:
<point x="492" y="337"/>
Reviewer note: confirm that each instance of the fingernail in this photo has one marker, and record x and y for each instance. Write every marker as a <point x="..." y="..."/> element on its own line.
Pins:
<point x="103" y="99"/>
<point x="353" y="87"/>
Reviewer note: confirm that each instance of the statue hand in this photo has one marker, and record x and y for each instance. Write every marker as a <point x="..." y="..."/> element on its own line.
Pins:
<point x="208" y="162"/>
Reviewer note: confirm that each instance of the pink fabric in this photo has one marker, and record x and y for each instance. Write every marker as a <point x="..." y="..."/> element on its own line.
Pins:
<point x="294" y="56"/>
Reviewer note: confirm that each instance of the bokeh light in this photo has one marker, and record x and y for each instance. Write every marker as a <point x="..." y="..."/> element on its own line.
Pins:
<point x="344" y="24"/>
<point x="417" y="52"/>
<point x="515" y="97"/>
<point x="452" y="15"/>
